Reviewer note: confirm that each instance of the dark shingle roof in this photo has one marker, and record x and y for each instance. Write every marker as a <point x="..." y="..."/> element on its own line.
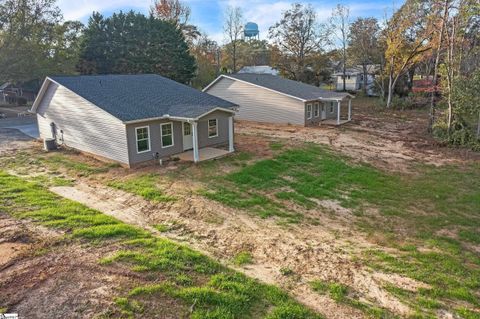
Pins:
<point x="137" y="97"/>
<point x="290" y="87"/>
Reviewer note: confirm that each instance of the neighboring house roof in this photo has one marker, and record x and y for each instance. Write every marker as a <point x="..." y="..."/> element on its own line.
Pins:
<point x="351" y="72"/>
<point x="371" y="69"/>
<point x="260" y="69"/>
<point x="284" y="86"/>
<point x="138" y="97"/>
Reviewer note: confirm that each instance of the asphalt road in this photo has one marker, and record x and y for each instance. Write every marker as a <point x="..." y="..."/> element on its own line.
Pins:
<point x="27" y="125"/>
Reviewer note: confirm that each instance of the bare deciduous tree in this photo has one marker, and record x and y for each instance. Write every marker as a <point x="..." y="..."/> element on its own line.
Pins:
<point x="233" y="28"/>
<point x="340" y="31"/>
<point x="363" y="45"/>
<point x="440" y="16"/>
<point x="298" y="36"/>
<point x="177" y="12"/>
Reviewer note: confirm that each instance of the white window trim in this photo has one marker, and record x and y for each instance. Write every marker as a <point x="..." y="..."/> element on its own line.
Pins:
<point x="216" y="128"/>
<point x="161" y="135"/>
<point x="316" y="109"/>
<point x="311" y="111"/>
<point x="136" y="138"/>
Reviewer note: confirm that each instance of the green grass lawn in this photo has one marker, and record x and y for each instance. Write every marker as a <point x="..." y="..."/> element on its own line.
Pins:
<point x="342" y="294"/>
<point x="145" y="185"/>
<point x="203" y="287"/>
<point x="432" y="216"/>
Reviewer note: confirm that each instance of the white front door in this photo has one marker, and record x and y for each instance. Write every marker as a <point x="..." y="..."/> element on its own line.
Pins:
<point x="324" y="111"/>
<point x="187" y="136"/>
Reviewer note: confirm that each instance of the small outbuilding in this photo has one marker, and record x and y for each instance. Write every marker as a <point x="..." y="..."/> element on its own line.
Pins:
<point x="273" y="99"/>
<point x="133" y="119"/>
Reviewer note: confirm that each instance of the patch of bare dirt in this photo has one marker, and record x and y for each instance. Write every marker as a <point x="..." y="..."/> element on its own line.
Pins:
<point x="41" y="276"/>
<point x="311" y="252"/>
<point x="389" y="141"/>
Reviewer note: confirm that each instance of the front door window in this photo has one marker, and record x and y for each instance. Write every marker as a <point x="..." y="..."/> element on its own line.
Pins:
<point x="187" y="129"/>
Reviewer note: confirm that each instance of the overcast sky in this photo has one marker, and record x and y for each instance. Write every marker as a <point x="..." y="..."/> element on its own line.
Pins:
<point x="208" y="14"/>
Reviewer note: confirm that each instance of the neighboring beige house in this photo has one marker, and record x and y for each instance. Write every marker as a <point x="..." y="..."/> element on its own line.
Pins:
<point x="273" y="99"/>
<point x="133" y="119"/>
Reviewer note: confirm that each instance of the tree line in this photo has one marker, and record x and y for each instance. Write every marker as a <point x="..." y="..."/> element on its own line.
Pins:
<point x="435" y="39"/>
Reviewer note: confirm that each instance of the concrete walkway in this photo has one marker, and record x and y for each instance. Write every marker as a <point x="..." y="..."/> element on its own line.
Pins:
<point x="206" y="153"/>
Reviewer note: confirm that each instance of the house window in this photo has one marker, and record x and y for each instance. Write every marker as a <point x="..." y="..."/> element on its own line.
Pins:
<point x="316" y="111"/>
<point x="143" y="139"/>
<point x="166" y="131"/>
<point x="309" y="111"/>
<point x="212" y="128"/>
<point x="331" y="107"/>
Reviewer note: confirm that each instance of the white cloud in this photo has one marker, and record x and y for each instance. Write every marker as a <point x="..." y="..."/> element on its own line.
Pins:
<point x="79" y="9"/>
<point x="263" y="12"/>
<point x="219" y="37"/>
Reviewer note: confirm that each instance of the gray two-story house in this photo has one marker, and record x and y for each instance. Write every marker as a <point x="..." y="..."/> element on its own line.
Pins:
<point x="132" y="119"/>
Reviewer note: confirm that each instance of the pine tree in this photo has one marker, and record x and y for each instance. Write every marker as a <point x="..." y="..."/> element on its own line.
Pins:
<point x="131" y="43"/>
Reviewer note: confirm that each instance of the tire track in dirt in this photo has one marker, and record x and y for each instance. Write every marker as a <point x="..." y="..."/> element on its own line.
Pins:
<point x="311" y="252"/>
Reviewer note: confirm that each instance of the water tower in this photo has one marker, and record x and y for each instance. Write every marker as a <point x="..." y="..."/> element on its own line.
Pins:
<point x="250" y="31"/>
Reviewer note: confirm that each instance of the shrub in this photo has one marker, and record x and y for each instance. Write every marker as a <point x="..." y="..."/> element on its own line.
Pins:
<point x="401" y="103"/>
<point x="460" y="134"/>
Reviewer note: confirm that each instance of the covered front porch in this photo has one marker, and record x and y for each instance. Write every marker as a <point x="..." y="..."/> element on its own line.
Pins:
<point x="335" y="122"/>
<point x="204" y="154"/>
<point x="339" y="120"/>
<point x="196" y="151"/>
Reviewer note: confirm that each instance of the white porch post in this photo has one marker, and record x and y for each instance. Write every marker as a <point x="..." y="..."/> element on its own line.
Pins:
<point x="350" y="109"/>
<point x="196" y="156"/>
<point x="338" y="112"/>
<point x="230" y="135"/>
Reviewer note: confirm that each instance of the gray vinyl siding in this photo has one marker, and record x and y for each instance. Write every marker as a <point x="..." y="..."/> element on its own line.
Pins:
<point x="332" y="115"/>
<point x="155" y="141"/>
<point x="258" y="104"/>
<point x="314" y="120"/>
<point x="329" y="115"/>
<point x="222" y="127"/>
<point x="155" y="137"/>
<point x="85" y="126"/>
